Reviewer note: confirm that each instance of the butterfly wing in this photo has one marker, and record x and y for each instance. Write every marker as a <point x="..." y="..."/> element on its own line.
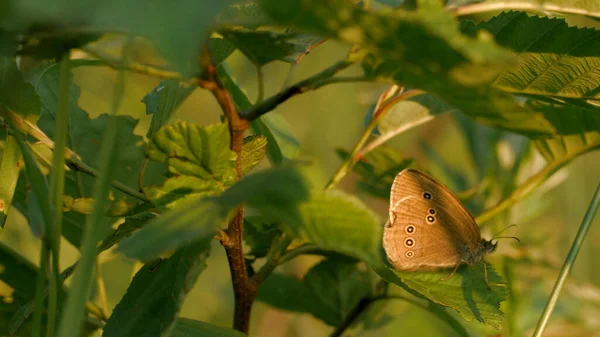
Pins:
<point x="428" y="227"/>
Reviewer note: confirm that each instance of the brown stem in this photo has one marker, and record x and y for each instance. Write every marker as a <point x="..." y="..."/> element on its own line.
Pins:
<point x="243" y="290"/>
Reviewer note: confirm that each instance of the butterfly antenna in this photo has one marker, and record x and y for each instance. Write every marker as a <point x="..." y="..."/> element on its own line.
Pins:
<point x="500" y="232"/>
<point x="507" y="237"/>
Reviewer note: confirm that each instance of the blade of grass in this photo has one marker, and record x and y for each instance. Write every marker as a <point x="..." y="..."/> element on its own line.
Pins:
<point x="9" y="171"/>
<point x="568" y="265"/>
<point x="39" y="187"/>
<point x="57" y="188"/>
<point x="72" y="318"/>
<point x="40" y="291"/>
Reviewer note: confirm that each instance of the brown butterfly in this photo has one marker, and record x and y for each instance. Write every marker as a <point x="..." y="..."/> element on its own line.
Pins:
<point x="429" y="228"/>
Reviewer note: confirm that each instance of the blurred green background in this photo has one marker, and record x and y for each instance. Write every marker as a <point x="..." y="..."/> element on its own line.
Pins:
<point x="333" y="117"/>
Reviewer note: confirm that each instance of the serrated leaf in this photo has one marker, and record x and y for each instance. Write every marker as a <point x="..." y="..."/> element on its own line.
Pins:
<point x="253" y="152"/>
<point x="329" y="291"/>
<point x="10" y="167"/>
<point x="341" y="223"/>
<point x="555" y="60"/>
<point x="586" y="8"/>
<point x="163" y="101"/>
<point x="262" y="47"/>
<point x="259" y="235"/>
<point x="185" y="327"/>
<point x="198" y="156"/>
<point x="202" y="218"/>
<point x="84" y="134"/>
<point x="378" y="168"/>
<point x="466" y="291"/>
<point x="15" y="93"/>
<point x="156" y="293"/>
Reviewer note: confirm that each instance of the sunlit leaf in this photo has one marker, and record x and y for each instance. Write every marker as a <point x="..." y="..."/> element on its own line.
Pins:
<point x="275" y="193"/>
<point x="199" y="159"/>
<point x="253" y="152"/>
<point x="10" y="167"/>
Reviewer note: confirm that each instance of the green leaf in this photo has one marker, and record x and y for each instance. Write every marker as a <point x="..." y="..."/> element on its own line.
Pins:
<point x="198" y="156"/>
<point x="555" y="60"/>
<point x="329" y="291"/>
<point x="410" y="113"/>
<point x="10" y="167"/>
<point x="185" y="327"/>
<point x="15" y="93"/>
<point x="259" y="235"/>
<point x="466" y="291"/>
<point x="378" y="168"/>
<point x="262" y="47"/>
<point x="585" y="8"/>
<point x="154" y="297"/>
<point x="163" y="101"/>
<point x="84" y="134"/>
<point x="341" y="223"/>
<point x="177" y="28"/>
<point x="275" y="193"/>
<point x="191" y="222"/>
<point x="125" y="230"/>
<point x="583" y="132"/>
<point x="253" y="152"/>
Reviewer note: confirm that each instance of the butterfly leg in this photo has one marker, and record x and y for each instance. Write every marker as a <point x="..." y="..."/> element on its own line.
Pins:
<point x="451" y="274"/>
<point x="485" y="274"/>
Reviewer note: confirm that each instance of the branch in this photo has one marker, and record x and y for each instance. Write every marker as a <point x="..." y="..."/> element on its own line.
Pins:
<point x="232" y="239"/>
<point x="311" y="83"/>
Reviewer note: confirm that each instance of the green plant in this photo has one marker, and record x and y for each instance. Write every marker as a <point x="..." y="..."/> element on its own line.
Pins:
<point x="511" y="86"/>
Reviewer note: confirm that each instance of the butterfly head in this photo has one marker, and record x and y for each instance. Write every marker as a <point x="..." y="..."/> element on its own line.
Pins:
<point x="488" y="246"/>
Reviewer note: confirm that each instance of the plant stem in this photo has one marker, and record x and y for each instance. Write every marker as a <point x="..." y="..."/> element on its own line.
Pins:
<point x="522" y="191"/>
<point x="568" y="265"/>
<point x="243" y="291"/>
<point x="358" y="309"/>
<point x="142" y="69"/>
<point x="261" y="84"/>
<point x="57" y="187"/>
<point x="73" y="314"/>
<point x="354" y="157"/>
<point x="40" y="293"/>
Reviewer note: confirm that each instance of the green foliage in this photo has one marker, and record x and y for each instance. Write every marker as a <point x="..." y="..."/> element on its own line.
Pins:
<point x="378" y="169"/>
<point x="494" y="93"/>
<point x="199" y="159"/>
<point x="163" y="101"/>
<point x="155" y="295"/>
<point x="329" y="291"/>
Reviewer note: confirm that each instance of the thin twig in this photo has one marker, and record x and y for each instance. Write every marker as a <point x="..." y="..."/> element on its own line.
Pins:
<point x="568" y="265"/>
<point x="311" y="83"/>
<point x="354" y="157"/>
<point x="243" y="291"/>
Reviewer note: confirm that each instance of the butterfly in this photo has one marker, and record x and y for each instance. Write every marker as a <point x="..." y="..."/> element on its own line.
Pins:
<point x="429" y="228"/>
